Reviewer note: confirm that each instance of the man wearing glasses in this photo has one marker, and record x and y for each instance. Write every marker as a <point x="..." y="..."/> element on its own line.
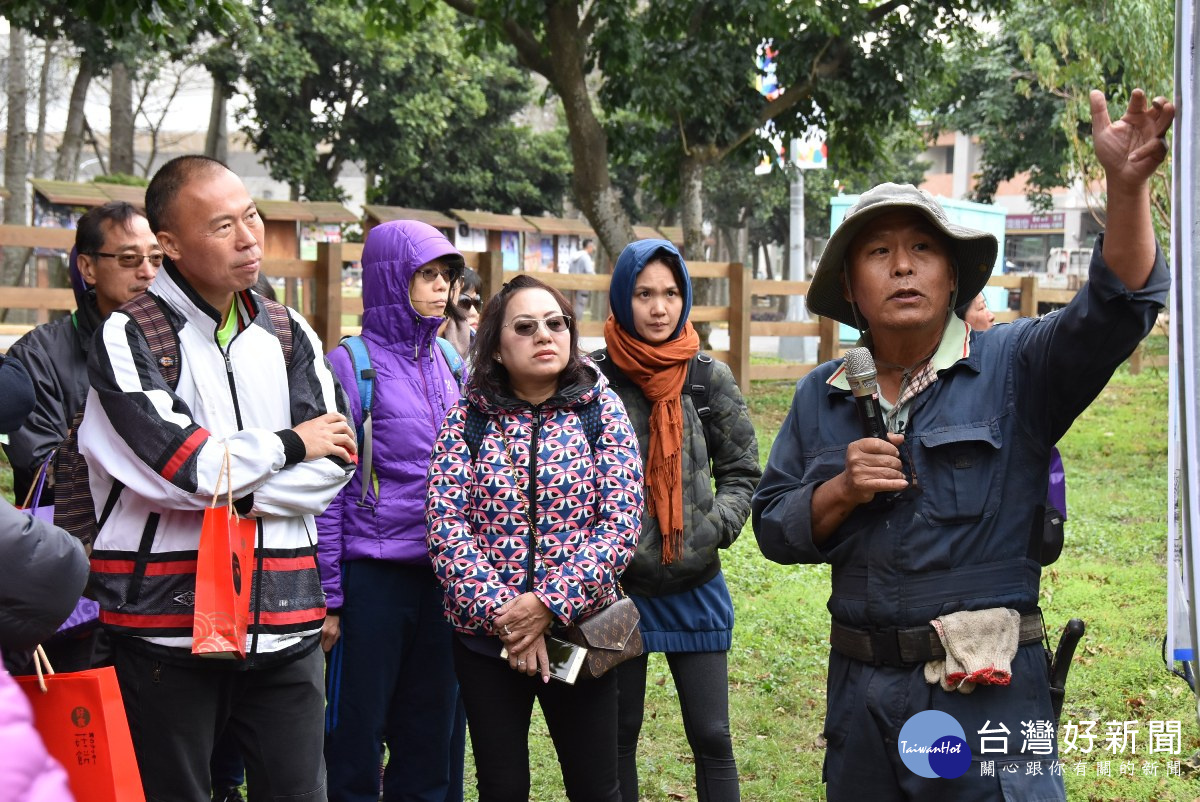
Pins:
<point x="934" y="534"/>
<point x="115" y="259"/>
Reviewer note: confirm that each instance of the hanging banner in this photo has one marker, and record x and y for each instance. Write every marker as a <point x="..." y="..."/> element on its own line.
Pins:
<point x="1183" y="491"/>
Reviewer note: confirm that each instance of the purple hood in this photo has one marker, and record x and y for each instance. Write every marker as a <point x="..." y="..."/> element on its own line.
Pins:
<point x="413" y="388"/>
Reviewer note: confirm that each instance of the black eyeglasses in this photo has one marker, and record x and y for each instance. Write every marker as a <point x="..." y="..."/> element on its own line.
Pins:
<point x="528" y="326"/>
<point x="132" y="260"/>
<point x="447" y="274"/>
<point x="466" y="303"/>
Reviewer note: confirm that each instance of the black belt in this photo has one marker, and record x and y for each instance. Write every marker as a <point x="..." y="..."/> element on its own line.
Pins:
<point x="906" y="646"/>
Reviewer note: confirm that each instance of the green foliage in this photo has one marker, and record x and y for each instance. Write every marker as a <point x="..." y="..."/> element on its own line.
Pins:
<point x="1025" y="94"/>
<point x="679" y="83"/>
<point x="125" y="18"/>
<point x="124" y="179"/>
<point x="1019" y="128"/>
<point x="735" y="195"/>
<point x="423" y="115"/>
<point x="484" y="160"/>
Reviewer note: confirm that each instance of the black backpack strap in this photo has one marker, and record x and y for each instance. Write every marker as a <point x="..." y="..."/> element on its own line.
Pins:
<point x="699" y="384"/>
<point x="282" y="323"/>
<point x="160" y="335"/>
<point x="590" y="415"/>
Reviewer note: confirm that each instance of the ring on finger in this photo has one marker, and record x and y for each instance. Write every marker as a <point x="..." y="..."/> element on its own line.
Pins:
<point x="520" y="662"/>
<point x="507" y="631"/>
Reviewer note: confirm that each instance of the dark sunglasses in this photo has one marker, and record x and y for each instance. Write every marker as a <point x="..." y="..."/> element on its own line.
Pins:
<point x="467" y="304"/>
<point x="447" y="274"/>
<point x="528" y="326"/>
<point x="132" y="260"/>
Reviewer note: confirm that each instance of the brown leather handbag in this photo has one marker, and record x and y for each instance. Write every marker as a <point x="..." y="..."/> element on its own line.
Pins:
<point x="611" y="636"/>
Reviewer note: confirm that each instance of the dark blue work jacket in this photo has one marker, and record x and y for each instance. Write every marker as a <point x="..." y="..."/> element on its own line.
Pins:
<point x="978" y="442"/>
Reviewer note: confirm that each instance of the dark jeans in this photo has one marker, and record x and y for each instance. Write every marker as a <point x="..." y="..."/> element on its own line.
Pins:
<point x="176" y="713"/>
<point x="582" y="719"/>
<point x="702" y="681"/>
<point x="391" y="681"/>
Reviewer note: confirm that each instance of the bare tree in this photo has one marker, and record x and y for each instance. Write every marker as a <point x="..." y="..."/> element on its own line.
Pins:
<point x="121" y="119"/>
<point x="216" y="142"/>
<point x="16" y="154"/>
<point x="40" y="160"/>
<point x="156" y="94"/>
<point x="67" y="166"/>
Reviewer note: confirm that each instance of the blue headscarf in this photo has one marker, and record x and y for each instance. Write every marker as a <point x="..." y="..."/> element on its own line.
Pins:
<point x="630" y="263"/>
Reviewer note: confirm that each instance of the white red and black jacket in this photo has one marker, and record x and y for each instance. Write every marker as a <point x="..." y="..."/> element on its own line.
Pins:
<point x="166" y="447"/>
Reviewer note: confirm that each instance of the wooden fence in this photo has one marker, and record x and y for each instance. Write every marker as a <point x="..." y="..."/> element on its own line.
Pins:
<point x="315" y="288"/>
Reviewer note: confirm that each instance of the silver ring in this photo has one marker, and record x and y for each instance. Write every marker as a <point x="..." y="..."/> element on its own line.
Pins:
<point x="507" y="631"/>
<point x="520" y="662"/>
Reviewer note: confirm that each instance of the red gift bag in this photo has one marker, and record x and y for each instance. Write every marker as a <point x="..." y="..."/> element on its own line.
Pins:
<point x="224" y="568"/>
<point x="81" y="719"/>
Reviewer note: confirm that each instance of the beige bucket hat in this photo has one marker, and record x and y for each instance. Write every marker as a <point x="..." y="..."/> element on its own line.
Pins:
<point x="973" y="252"/>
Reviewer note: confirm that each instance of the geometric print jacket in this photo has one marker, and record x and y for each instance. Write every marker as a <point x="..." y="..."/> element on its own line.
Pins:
<point x="587" y="506"/>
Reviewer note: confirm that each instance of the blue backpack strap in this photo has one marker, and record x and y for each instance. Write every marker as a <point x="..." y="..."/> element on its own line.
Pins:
<point x="364" y="375"/>
<point x="453" y="359"/>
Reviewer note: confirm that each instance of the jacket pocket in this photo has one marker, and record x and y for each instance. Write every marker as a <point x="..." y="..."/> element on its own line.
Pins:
<point x="958" y="467"/>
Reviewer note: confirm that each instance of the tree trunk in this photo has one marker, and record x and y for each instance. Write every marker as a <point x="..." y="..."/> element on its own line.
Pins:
<point x="691" y="202"/>
<point x="39" y="141"/>
<point x="120" y="132"/>
<point x="67" y="166"/>
<point x="16" y="157"/>
<point x="216" y="143"/>
<point x="590" y="180"/>
<point x="16" y="140"/>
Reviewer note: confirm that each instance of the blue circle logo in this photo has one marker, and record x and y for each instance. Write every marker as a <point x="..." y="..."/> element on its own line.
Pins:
<point x="932" y="744"/>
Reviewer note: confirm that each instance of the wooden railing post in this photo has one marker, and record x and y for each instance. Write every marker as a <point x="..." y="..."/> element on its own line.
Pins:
<point x="739" y="324"/>
<point x="327" y="320"/>
<point x="1029" y="302"/>
<point x="827" y="345"/>
<point x="491" y="273"/>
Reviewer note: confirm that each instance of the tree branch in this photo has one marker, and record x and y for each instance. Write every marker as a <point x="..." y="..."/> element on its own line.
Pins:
<point x="822" y="64"/>
<point x="879" y="12"/>
<point x="529" y="48"/>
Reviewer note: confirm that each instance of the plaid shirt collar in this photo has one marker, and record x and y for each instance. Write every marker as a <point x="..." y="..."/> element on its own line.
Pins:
<point x="955" y="345"/>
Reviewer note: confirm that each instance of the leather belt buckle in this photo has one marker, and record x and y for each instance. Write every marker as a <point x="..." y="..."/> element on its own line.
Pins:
<point x="885" y="646"/>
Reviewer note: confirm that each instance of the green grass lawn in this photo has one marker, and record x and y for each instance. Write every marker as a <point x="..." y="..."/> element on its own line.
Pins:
<point x="1112" y="574"/>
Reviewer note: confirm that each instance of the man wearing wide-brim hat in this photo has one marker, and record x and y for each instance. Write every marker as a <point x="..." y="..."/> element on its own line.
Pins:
<point x="934" y="534"/>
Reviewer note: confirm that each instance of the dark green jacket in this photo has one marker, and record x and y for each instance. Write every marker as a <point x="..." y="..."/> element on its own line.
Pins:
<point x="711" y="520"/>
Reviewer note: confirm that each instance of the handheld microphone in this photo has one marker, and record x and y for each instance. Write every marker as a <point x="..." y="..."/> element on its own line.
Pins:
<point x="861" y="375"/>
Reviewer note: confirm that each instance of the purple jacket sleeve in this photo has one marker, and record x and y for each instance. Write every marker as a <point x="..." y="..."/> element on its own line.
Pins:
<point x="329" y="523"/>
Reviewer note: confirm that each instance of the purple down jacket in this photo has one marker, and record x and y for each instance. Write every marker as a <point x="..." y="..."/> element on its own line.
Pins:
<point x="413" y="389"/>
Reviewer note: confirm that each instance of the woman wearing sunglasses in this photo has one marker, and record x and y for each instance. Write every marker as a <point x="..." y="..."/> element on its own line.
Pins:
<point x="462" y="316"/>
<point x="519" y="557"/>
<point x="391" y="679"/>
<point x="675" y="578"/>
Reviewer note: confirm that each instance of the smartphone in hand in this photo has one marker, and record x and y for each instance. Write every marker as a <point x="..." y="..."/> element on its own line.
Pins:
<point x="565" y="659"/>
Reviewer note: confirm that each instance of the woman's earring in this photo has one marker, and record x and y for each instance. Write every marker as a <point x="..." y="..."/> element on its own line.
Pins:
<point x="498" y="359"/>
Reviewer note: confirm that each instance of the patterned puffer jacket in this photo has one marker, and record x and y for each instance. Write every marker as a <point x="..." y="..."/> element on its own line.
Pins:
<point x="588" y="505"/>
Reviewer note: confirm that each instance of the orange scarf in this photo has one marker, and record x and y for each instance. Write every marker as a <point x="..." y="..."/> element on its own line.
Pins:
<point x="660" y="371"/>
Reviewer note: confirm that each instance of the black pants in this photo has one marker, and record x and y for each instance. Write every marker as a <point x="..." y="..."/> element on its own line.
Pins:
<point x="391" y="681"/>
<point x="582" y="719"/>
<point x="702" y="681"/>
<point x="176" y="713"/>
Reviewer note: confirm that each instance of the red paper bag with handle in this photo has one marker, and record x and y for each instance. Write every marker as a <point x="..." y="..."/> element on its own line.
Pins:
<point x="224" y="568"/>
<point x="81" y="719"/>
